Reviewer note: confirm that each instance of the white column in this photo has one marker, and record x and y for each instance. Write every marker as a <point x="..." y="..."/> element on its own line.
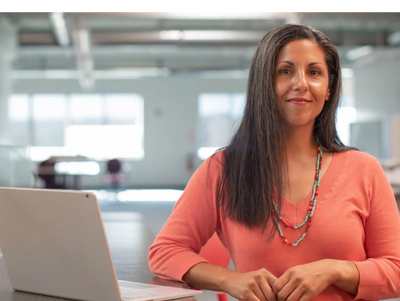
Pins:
<point x="8" y="48"/>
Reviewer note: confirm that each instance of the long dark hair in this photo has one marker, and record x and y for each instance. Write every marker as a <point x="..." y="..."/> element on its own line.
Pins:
<point x="253" y="160"/>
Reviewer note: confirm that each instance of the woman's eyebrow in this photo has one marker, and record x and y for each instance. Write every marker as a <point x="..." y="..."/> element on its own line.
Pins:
<point x="292" y="64"/>
<point x="289" y="62"/>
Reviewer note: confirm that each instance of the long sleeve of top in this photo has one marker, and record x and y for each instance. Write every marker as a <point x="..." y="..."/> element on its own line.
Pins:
<point x="356" y="219"/>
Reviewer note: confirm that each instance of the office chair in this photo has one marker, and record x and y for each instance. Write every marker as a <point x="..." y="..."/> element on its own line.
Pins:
<point x="215" y="253"/>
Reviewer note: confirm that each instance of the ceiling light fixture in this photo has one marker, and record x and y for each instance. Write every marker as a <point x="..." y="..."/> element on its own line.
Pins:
<point x="358" y="53"/>
<point x="210" y="35"/>
<point x="60" y="28"/>
<point x="81" y="40"/>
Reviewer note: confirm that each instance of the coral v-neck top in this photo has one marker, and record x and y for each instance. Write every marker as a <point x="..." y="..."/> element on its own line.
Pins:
<point x="356" y="218"/>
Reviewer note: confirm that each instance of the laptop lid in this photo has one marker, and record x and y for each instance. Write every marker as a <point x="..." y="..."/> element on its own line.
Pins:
<point x="54" y="243"/>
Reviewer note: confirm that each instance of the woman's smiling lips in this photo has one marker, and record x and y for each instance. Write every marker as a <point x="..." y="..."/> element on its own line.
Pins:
<point x="299" y="101"/>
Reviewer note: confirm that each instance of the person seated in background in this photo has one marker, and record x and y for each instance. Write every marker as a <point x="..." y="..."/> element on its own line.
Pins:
<point x="303" y="216"/>
<point x="114" y="175"/>
<point x="48" y="174"/>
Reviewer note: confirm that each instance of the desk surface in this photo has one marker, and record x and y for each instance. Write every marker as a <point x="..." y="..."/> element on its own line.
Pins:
<point x="129" y="240"/>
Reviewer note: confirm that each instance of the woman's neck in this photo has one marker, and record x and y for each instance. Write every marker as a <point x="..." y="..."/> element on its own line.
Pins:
<point x="300" y="143"/>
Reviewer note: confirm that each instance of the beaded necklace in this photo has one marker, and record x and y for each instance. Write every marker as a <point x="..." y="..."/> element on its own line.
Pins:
<point x="311" y="208"/>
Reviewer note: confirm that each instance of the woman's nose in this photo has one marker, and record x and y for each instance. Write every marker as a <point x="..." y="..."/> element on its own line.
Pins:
<point x="300" y="81"/>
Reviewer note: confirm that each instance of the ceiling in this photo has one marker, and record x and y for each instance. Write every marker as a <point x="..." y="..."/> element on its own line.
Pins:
<point x="115" y="45"/>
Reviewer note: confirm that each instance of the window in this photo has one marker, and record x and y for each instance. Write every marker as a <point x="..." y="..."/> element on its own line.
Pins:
<point x="120" y="109"/>
<point x="105" y="141"/>
<point x="86" y="109"/>
<point x="18" y="107"/>
<point x="48" y="119"/>
<point x="345" y="117"/>
<point x="99" y="126"/>
<point x="18" y="112"/>
<point x="219" y="116"/>
<point x="346" y="114"/>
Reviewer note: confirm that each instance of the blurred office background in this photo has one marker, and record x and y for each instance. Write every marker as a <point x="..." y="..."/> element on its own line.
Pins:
<point x="128" y="105"/>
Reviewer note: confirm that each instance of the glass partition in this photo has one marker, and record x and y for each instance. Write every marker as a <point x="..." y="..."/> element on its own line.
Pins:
<point x="16" y="169"/>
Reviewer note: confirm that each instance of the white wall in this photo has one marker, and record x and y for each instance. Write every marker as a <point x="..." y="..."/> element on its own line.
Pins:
<point x="377" y="94"/>
<point x="168" y="136"/>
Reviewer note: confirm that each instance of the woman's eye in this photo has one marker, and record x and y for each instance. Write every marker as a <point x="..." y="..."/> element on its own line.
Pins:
<point x="284" y="71"/>
<point x="314" y="72"/>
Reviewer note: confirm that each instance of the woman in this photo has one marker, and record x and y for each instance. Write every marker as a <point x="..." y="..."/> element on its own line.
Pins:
<point x="302" y="216"/>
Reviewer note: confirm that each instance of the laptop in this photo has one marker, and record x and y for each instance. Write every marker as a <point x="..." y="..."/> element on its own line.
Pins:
<point x="54" y="243"/>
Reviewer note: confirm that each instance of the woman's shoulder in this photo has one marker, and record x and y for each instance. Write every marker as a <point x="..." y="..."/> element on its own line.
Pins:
<point x="355" y="159"/>
<point x="219" y="155"/>
<point x="361" y="156"/>
<point x="217" y="160"/>
<point x="354" y="154"/>
<point x="213" y="163"/>
<point x="356" y="167"/>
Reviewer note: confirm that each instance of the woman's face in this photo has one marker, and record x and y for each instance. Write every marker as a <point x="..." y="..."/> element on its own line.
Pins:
<point x="301" y="82"/>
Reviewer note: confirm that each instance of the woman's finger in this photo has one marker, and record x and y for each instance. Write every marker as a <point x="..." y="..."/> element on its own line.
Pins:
<point x="260" y="294"/>
<point x="280" y="284"/>
<point x="267" y="290"/>
<point x="286" y="292"/>
<point x="292" y="294"/>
